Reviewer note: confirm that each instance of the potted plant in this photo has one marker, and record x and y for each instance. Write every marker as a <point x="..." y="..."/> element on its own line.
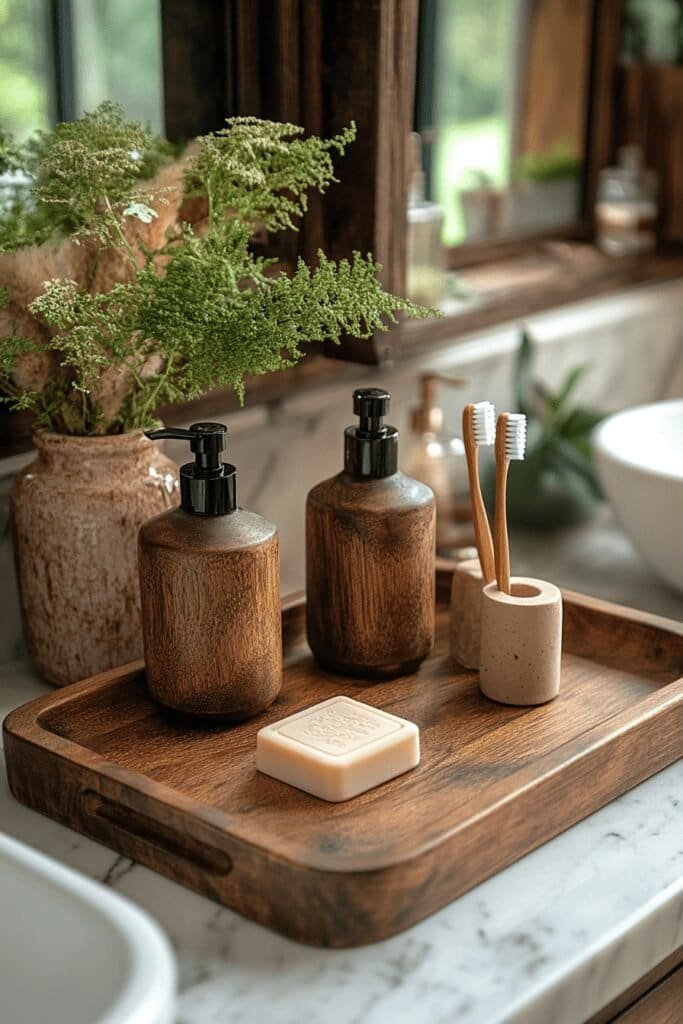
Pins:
<point x="555" y="484"/>
<point x="482" y="205"/>
<point x="129" y="282"/>
<point x="545" y="190"/>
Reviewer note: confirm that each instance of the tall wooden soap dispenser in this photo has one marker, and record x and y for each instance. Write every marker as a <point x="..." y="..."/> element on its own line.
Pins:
<point x="370" y="549"/>
<point x="210" y="590"/>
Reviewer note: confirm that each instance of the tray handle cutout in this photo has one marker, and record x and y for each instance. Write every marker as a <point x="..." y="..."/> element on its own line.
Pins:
<point x="101" y="815"/>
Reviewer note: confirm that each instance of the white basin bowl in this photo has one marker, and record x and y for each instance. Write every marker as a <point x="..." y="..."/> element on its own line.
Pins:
<point x="639" y="457"/>
<point x="73" y="952"/>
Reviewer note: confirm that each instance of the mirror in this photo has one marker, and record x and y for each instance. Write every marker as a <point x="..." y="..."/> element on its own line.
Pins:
<point x="58" y="60"/>
<point x="501" y="108"/>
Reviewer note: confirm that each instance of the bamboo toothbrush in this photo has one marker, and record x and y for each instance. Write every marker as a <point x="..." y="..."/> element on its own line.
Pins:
<point x="478" y="428"/>
<point x="510" y="444"/>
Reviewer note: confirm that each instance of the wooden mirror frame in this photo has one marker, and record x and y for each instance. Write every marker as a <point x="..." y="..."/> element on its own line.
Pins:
<point x="323" y="63"/>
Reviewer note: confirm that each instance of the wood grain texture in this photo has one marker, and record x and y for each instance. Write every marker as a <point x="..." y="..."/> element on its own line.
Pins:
<point x="194" y="42"/>
<point x="661" y="1005"/>
<point x="370" y="549"/>
<point x="555" y="77"/>
<point x="493" y="784"/>
<point x="649" y="113"/>
<point x="210" y="589"/>
<point x="323" y="64"/>
<point x="609" y="1014"/>
<point x="602" y="117"/>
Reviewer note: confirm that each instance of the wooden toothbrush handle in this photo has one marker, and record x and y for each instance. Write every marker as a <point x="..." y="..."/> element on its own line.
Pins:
<point x="482" y="530"/>
<point x="500" y="526"/>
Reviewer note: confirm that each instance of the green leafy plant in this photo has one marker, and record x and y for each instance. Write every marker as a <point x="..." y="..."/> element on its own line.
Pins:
<point x="555" y="484"/>
<point x="558" y="163"/>
<point x="186" y="308"/>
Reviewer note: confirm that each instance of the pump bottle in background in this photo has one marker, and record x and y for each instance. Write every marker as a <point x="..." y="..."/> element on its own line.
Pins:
<point x="370" y="550"/>
<point x="210" y="591"/>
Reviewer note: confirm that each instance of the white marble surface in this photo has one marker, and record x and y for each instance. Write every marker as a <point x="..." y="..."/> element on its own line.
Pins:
<point x="551" y="939"/>
<point x="557" y="935"/>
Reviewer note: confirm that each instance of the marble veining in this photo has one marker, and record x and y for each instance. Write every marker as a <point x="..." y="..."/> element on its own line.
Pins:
<point x="555" y="936"/>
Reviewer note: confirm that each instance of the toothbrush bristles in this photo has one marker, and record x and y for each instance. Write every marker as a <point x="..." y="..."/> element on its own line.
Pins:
<point x="484" y="423"/>
<point x="515" y="436"/>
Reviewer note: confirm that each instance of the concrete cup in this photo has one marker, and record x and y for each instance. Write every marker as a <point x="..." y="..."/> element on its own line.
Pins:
<point x="521" y="642"/>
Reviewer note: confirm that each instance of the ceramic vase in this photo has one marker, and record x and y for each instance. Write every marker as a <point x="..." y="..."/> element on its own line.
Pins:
<point x="76" y="511"/>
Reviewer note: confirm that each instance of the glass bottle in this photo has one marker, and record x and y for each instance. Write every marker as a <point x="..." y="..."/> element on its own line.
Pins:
<point x="425" y="252"/>
<point x="626" y="207"/>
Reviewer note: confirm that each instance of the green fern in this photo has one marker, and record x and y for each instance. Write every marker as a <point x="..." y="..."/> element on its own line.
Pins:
<point x="210" y="313"/>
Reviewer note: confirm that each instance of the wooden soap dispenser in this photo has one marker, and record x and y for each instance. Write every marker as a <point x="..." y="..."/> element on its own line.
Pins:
<point x="210" y="591"/>
<point x="370" y="553"/>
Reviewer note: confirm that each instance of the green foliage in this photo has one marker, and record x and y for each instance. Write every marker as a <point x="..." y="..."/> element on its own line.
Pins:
<point x="91" y="167"/>
<point x="75" y="179"/>
<point x="199" y="310"/>
<point x="560" y="162"/>
<point x="224" y="331"/>
<point x="556" y="482"/>
<point x="11" y="347"/>
<point x="262" y="170"/>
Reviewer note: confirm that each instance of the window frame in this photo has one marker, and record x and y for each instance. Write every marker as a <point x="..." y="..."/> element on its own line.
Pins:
<point x="605" y="17"/>
<point x="277" y="59"/>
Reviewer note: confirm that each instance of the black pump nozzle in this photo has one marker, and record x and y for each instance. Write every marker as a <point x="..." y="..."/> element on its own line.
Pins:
<point x="208" y="486"/>
<point x="371" y="448"/>
<point x="371" y="405"/>
<point x="207" y="441"/>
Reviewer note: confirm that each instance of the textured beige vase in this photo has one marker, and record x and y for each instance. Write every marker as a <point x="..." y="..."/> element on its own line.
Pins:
<point x="466" y="612"/>
<point x="521" y="642"/>
<point x="76" y="512"/>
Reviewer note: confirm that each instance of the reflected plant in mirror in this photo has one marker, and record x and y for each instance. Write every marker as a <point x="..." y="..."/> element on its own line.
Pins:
<point x="502" y="104"/>
<point x="556" y="484"/>
<point x="130" y="279"/>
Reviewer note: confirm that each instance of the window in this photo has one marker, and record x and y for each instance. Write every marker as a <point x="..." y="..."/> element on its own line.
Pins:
<point x="59" y="58"/>
<point x="27" y="96"/>
<point x="502" y="88"/>
<point x="117" y="56"/>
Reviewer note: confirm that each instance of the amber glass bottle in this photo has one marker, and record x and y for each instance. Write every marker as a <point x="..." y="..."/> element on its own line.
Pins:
<point x="370" y="548"/>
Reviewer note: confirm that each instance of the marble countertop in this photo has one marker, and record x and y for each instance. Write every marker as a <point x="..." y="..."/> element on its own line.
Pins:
<point x="554" y="937"/>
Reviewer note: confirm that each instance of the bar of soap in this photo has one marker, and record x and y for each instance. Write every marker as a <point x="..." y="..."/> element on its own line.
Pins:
<point x="338" y="748"/>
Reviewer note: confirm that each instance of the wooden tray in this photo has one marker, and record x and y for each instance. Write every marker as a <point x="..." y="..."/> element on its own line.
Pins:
<point x="494" y="783"/>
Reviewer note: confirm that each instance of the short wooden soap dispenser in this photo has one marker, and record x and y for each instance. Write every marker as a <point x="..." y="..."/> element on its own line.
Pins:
<point x="210" y="590"/>
<point x="370" y="553"/>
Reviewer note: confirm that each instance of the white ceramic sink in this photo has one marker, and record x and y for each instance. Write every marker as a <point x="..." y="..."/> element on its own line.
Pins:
<point x="639" y="457"/>
<point x="73" y="952"/>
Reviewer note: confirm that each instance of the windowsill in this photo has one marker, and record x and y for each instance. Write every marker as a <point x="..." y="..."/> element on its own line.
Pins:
<point x="535" y="277"/>
<point x="540" y="276"/>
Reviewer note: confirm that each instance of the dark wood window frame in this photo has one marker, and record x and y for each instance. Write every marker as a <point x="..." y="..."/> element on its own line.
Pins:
<point x="321" y="63"/>
<point x="571" y="266"/>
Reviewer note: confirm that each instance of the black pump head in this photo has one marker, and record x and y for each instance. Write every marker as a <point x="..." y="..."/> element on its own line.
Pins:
<point x="207" y="441"/>
<point x="208" y="486"/>
<point x="371" y="448"/>
<point x="371" y="405"/>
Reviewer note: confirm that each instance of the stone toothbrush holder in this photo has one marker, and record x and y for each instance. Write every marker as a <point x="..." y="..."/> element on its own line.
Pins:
<point x="465" y="621"/>
<point x="521" y="642"/>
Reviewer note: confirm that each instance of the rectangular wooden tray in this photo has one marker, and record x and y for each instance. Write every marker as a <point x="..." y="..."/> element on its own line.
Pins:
<point x="494" y="782"/>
